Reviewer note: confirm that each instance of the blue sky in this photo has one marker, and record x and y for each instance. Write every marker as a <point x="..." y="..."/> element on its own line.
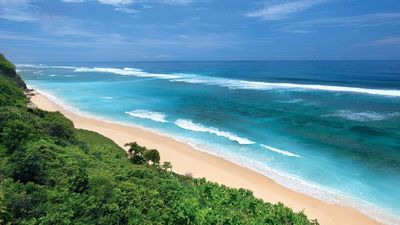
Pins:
<point x="147" y="30"/>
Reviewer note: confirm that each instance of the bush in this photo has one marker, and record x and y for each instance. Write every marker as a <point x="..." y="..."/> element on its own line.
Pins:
<point x="55" y="124"/>
<point x="10" y="94"/>
<point x="28" y="165"/>
<point x="153" y="156"/>
<point x="7" y="69"/>
<point x="15" y="134"/>
<point x="79" y="180"/>
<point x="23" y="202"/>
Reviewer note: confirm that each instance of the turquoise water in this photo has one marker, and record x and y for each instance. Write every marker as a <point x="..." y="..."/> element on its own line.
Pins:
<point x="327" y="129"/>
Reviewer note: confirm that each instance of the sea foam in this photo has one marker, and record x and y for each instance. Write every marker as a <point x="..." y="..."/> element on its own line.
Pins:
<point x="365" y="116"/>
<point x="238" y="84"/>
<point x="148" y="114"/>
<point x="189" y="125"/>
<point x="295" y="183"/>
<point x="323" y="193"/>
<point x="223" y="82"/>
<point x="42" y="66"/>
<point x="280" y="151"/>
<point x="126" y="72"/>
<point x="106" y="97"/>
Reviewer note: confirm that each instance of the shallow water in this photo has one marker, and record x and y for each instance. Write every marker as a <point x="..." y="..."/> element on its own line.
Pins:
<point x="328" y="129"/>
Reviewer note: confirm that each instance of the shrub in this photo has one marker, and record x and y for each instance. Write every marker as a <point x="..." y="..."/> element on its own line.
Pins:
<point x="153" y="156"/>
<point x="28" y="165"/>
<point x="15" y="134"/>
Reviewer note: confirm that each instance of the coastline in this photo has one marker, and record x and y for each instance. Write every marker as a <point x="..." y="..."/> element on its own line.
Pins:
<point x="185" y="159"/>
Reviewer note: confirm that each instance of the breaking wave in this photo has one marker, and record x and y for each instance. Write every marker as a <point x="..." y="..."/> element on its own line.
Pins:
<point x="280" y="151"/>
<point x="106" y="97"/>
<point x="222" y="82"/>
<point x="126" y="72"/>
<point x="147" y="114"/>
<point x="42" y="66"/>
<point x="189" y="125"/>
<point x="237" y="84"/>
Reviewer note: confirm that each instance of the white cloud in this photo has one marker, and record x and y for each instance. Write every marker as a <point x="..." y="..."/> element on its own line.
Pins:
<point x="387" y="41"/>
<point x="18" y="37"/>
<point x="126" y="10"/>
<point x="73" y="1"/>
<point x="177" y="2"/>
<point x="283" y="10"/>
<point x="116" y="2"/>
<point x="123" y="5"/>
<point x="107" y="2"/>
<point x="119" y="3"/>
<point x="16" y="10"/>
<point x="356" y="22"/>
<point x="65" y="26"/>
<point x="5" y="2"/>
<point x="382" y="42"/>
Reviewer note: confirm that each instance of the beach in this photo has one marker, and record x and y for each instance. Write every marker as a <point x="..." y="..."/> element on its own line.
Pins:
<point x="188" y="160"/>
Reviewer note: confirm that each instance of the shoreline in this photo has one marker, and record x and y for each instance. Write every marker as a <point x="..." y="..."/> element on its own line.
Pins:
<point x="186" y="159"/>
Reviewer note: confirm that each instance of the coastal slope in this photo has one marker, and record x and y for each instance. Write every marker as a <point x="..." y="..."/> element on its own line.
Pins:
<point x="53" y="173"/>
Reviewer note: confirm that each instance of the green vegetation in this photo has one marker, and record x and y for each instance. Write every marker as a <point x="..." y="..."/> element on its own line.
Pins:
<point x="52" y="173"/>
<point x="7" y="69"/>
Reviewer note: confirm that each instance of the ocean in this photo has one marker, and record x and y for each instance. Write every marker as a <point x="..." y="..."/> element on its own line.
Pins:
<point x="329" y="129"/>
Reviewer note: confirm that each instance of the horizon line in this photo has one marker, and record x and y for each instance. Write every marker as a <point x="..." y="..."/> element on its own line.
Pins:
<point x="269" y="60"/>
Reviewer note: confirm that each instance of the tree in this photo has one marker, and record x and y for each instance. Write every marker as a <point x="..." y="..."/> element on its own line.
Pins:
<point x="136" y="153"/>
<point x="29" y="164"/>
<point x="57" y="125"/>
<point x="23" y="201"/>
<point x="26" y="166"/>
<point x="153" y="156"/>
<point x="60" y="130"/>
<point x="79" y="181"/>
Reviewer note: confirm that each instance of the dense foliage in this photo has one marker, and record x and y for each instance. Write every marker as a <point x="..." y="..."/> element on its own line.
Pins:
<point x="52" y="173"/>
<point x="7" y="69"/>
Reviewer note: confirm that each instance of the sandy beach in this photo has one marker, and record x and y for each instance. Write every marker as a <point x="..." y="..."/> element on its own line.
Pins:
<point x="185" y="159"/>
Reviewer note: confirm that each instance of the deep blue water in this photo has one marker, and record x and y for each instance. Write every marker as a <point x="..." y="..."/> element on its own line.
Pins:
<point x="327" y="129"/>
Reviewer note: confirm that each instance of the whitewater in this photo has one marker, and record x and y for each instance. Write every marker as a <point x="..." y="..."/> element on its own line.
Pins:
<point x="327" y="132"/>
<point x="230" y="83"/>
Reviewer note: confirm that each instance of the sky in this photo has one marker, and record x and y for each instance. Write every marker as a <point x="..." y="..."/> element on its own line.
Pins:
<point x="180" y="30"/>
